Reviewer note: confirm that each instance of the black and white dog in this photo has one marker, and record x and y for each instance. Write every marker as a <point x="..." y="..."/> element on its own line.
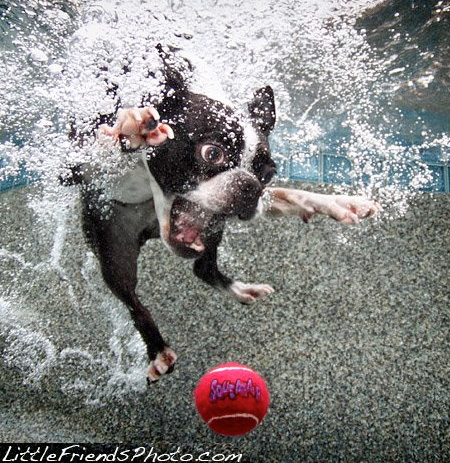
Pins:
<point x="205" y="164"/>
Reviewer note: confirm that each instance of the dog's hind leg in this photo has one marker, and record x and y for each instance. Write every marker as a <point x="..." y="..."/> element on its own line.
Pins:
<point x="116" y="236"/>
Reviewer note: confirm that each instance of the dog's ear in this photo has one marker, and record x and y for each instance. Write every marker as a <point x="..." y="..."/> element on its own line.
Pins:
<point x="176" y="74"/>
<point x="262" y="109"/>
<point x="176" y="70"/>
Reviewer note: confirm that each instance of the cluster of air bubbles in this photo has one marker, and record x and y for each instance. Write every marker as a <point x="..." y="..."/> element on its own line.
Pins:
<point x="341" y="104"/>
<point x="39" y="356"/>
<point x="80" y="373"/>
<point x="62" y="61"/>
<point x="60" y="64"/>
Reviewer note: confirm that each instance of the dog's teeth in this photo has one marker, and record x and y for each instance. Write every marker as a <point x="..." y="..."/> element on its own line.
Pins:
<point x="197" y="245"/>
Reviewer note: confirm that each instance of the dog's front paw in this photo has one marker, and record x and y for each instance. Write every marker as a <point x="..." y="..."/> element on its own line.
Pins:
<point x="249" y="293"/>
<point x="164" y="363"/>
<point x="350" y="209"/>
<point x="305" y="204"/>
<point x="137" y="127"/>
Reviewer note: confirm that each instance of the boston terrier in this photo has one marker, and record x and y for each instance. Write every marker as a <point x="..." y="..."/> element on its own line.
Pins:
<point x="199" y="162"/>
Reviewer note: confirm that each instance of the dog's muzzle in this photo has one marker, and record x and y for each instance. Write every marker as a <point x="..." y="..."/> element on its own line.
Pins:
<point x="234" y="192"/>
<point x="194" y="217"/>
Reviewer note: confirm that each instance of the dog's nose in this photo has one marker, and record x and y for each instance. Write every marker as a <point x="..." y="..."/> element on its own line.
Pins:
<point x="246" y="201"/>
<point x="251" y="188"/>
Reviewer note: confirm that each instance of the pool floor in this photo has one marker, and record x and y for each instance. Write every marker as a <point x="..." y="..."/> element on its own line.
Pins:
<point x="354" y="344"/>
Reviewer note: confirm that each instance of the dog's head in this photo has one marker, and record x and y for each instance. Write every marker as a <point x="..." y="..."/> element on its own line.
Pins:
<point x="217" y="165"/>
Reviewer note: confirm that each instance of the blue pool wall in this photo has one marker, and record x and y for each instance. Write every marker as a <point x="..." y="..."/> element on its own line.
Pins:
<point x="322" y="167"/>
<point x="329" y="163"/>
<point x="336" y="169"/>
<point x="23" y="178"/>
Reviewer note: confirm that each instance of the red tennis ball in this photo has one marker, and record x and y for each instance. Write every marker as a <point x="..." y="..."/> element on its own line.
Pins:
<point x="232" y="399"/>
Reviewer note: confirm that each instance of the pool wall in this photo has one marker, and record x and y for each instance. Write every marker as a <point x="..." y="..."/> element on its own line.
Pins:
<point x="323" y="167"/>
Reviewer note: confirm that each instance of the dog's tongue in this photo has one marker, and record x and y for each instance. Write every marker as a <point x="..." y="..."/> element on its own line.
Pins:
<point x="188" y="224"/>
<point x="191" y="238"/>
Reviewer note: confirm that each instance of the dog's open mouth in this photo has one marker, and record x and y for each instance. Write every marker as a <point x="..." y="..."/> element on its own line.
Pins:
<point x="194" y="227"/>
<point x="188" y="224"/>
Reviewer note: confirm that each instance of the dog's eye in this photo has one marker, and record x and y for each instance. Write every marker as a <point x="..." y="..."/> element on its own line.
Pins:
<point x="212" y="154"/>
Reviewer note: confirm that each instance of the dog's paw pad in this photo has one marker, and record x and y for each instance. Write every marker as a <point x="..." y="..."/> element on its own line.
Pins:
<point x="164" y="363"/>
<point x="249" y="293"/>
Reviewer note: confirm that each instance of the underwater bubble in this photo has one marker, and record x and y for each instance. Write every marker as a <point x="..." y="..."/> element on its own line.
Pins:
<point x="37" y="56"/>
